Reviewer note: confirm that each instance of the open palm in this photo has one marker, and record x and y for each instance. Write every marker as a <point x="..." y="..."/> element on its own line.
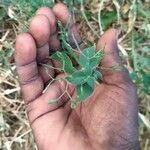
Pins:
<point x="106" y="121"/>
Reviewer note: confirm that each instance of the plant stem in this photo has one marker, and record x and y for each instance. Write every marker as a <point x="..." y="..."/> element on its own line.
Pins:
<point x="134" y="53"/>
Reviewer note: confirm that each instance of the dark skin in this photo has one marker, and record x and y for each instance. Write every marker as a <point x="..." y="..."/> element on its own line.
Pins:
<point x="107" y="120"/>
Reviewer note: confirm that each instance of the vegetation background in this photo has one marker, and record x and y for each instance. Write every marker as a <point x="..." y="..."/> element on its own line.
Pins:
<point x="131" y="17"/>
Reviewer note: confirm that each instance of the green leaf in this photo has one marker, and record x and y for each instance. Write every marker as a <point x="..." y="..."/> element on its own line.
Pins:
<point x="91" y="82"/>
<point x="100" y="54"/>
<point x="89" y="58"/>
<point x="108" y="17"/>
<point x="86" y="55"/>
<point x="79" y="77"/>
<point x="89" y="52"/>
<point x="63" y="37"/>
<point x="69" y="50"/>
<point x="146" y="83"/>
<point x="96" y="59"/>
<point x="65" y="61"/>
<point x="94" y="62"/>
<point x="83" y="91"/>
<point x="97" y="75"/>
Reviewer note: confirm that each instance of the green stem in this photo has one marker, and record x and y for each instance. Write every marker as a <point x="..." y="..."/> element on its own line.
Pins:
<point x="134" y="55"/>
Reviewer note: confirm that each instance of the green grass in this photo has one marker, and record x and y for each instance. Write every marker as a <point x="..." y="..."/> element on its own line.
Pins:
<point x="132" y="18"/>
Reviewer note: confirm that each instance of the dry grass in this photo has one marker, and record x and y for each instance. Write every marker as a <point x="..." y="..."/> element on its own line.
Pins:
<point x="134" y="40"/>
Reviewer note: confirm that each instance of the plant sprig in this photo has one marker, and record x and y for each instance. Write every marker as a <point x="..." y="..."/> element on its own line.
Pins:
<point x="82" y="71"/>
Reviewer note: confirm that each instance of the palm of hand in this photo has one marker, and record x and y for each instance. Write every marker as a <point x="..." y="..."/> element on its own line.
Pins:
<point x="107" y="120"/>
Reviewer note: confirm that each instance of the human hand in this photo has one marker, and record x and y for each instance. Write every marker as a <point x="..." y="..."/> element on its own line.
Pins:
<point x="108" y="120"/>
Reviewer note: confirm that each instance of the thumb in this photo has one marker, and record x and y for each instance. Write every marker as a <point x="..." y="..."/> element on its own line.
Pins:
<point x="108" y="42"/>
